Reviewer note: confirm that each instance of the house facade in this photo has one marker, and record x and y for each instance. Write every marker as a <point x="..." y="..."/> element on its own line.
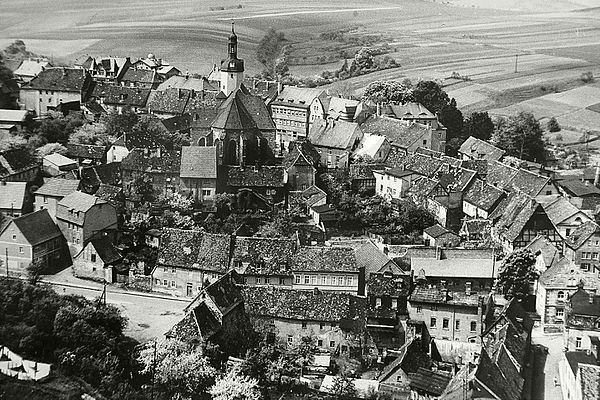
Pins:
<point x="97" y="260"/>
<point x="53" y="191"/>
<point x="198" y="173"/>
<point x="12" y="198"/>
<point x="335" y="141"/>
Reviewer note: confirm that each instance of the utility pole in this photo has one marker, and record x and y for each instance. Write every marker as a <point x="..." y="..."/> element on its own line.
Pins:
<point x="6" y="261"/>
<point x="516" y="61"/>
<point x="153" y="371"/>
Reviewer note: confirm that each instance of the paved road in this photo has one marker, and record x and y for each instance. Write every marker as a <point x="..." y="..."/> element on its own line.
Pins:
<point x="546" y="366"/>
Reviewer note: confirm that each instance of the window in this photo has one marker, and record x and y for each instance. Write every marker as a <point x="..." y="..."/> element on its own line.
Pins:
<point x="290" y="339"/>
<point x="282" y="281"/>
<point x="594" y="256"/>
<point x="424" y="142"/>
<point x="298" y="279"/>
<point x="433" y="322"/>
<point x="14" y="237"/>
<point x="258" y="280"/>
<point x="267" y="280"/>
<point x="304" y="325"/>
<point x="560" y="313"/>
<point x="20" y="250"/>
<point x="473" y="326"/>
<point x="585" y="267"/>
<point x="321" y="326"/>
<point x="45" y="200"/>
<point x="332" y="343"/>
<point x="323" y="279"/>
<point x="173" y="284"/>
<point x="165" y="282"/>
<point x="394" y="304"/>
<point x="549" y="192"/>
<point x="578" y="342"/>
<point x="320" y="342"/>
<point x="307" y="279"/>
<point x="93" y="257"/>
<point x="568" y="232"/>
<point x="419" y="309"/>
<point x="313" y="279"/>
<point x="205" y="192"/>
<point x="158" y="282"/>
<point x="174" y="270"/>
<point x="457" y="325"/>
<point x="434" y="308"/>
<point x="166" y="269"/>
<point x="560" y="295"/>
<point x="445" y="323"/>
<point x="378" y="302"/>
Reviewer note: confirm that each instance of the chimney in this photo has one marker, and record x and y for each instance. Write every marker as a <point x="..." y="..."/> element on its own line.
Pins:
<point x="438" y="253"/>
<point x="597" y="176"/>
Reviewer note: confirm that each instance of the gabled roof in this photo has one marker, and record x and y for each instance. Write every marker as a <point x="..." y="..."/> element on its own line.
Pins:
<point x="57" y="187"/>
<point x="187" y="82"/>
<point x="427" y="295"/>
<point x="334" y="134"/>
<point x="294" y="96"/>
<point x="564" y="274"/>
<point x="399" y="133"/>
<point x="337" y="106"/>
<point x="85" y="151"/>
<point x="437" y="231"/>
<point x="58" y="79"/>
<point x="483" y="195"/>
<point x="472" y="264"/>
<point x="426" y="165"/>
<point x="141" y="76"/>
<point x="317" y="258"/>
<point x="381" y="285"/>
<point x="169" y="101"/>
<point x="454" y="179"/>
<point x="589" y="376"/>
<point x="12" y="195"/>
<point x="16" y="116"/>
<point x="32" y="67"/>
<point x="577" y="188"/>
<point x="500" y="175"/>
<point x="106" y="250"/>
<point x="213" y="252"/>
<point x="581" y="234"/>
<point x="529" y="182"/>
<point x="258" y="255"/>
<point x="411" y="110"/>
<point x="243" y="111"/>
<point x="198" y="162"/>
<point x="560" y="209"/>
<point x="179" y="247"/>
<point x="37" y="227"/>
<point x="59" y="160"/>
<point x="518" y="211"/>
<point x="585" y="303"/>
<point x="16" y="160"/>
<point x="166" y="162"/>
<point x="370" y="145"/>
<point x="433" y="382"/>
<point x="121" y="95"/>
<point x="369" y="257"/>
<point x="79" y="201"/>
<point x="261" y="176"/>
<point x="545" y="248"/>
<point x="479" y="149"/>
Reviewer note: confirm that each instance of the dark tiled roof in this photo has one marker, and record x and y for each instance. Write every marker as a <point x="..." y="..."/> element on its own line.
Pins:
<point x="78" y="150"/>
<point x="258" y="110"/>
<point x="500" y="175"/>
<point x="37" y="227"/>
<point x="477" y="148"/>
<point x="380" y="285"/>
<point x="433" y="382"/>
<point x="198" y="162"/>
<point x="16" y="160"/>
<point x="411" y="110"/>
<point x="187" y="82"/>
<point x="575" y="358"/>
<point x="121" y="95"/>
<point x="581" y="304"/>
<point x="167" y="162"/>
<point x="293" y="96"/>
<point x="170" y="101"/>
<point x="495" y="378"/>
<point x="109" y="193"/>
<point x="483" y="195"/>
<point x="315" y="258"/>
<point x="517" y="213"/>
<point x="58" y="187"/>
<point x="577" y="188"/>
<point x="437" y="230"/>
<point x="422" y="164"/>
<point x="529" y="182"/>
<point x="564" y="273"/>
<point x="334" y="134"/>
<point x="369" y="257"/>
<point x="12" y="195"/>
<point x="590" y="381"/>
<point x="454" y="179"/>
<point x="179" y="247"/>
<point x="423" y="294"/>
<point x="560" y="209"/>
<point x="399" y="133"/>
<point x="78" y="201"/>
<point x="254" y="255"/>
<point x="298" y="304"/>
<point x="178" y="123"/>
<point x="141" y="76"/>
<point x="109" y="174"/>
<point x="63" y="79"/>
<point x="106" y="249"/>
<point x="479" y="166"/>
<point x="581" y="234"/>
<point x="543" y="246"/>
<point x="185" y="330"/>
<point x="213" y="252"/>
<point x="256" y="176"/>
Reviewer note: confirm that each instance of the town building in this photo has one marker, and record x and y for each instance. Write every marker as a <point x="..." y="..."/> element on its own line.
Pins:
<point x="394" y="183"/>
<point x="98" y="260"/>
<point x="300" y="167"/>
<point x="372" y="148"/>
<point x="579" y="375"/>
<point x="110" y="69"/>
<point x="582" y="247"/>
<point x="53" y="87"/>
<point x="481" y="199"/>
<point x="477" y="149"/>
<point x="12" y="198"/>
<point x="120" y="99"/>
<point x="56" y="164"/>
<point x="13" y="121"/>
<point x="583" y="194"/>
<point x="232" y="68"/>
<point x="31" y="68"/>
<point x="582" y="321"/>
<point x="264" y="261"/>
<point x="19" y="165"/>
<point x="512" y="179"/>
<point x="564" y="216"/>
<point x="159" y="167"/>
<point x="141" y="78"/>
<point x="86" y="154"/>
<point x="438" y="236"/>
<point x="81" y="216"/>
<point x="33" y="238"/>
<point x="51" y="192"/>
<point x="335" y="141"/>
<point x="198" y="173"/>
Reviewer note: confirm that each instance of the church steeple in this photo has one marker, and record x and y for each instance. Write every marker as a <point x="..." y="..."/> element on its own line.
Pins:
<point x="232" y="69"/>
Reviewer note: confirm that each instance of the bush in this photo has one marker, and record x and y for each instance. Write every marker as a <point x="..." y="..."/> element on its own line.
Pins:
<point x="553" y="125"/>
<point x="587" y="77"/>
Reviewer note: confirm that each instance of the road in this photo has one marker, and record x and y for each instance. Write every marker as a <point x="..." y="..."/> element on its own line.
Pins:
<point x="546" y="366"/>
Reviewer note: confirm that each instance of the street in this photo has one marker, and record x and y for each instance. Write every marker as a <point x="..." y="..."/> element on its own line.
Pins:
<point x="149" y="316"/>
<point x="546" y="365"/>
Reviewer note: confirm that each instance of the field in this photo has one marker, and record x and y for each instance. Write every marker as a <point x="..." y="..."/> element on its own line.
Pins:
<point x="550" y="43"/>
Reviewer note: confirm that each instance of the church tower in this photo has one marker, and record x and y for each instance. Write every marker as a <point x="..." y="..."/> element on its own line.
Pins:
<point x="232" y="69"/>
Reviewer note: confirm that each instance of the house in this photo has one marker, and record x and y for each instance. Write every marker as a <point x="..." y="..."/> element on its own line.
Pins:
<point x="477" y="149"/>
<point x="582" y="321"/>
<point x="546" y="253"/>
<point x="188" y="260"/>
<point x="33" y="238"/>
<point x="19" y="165"/>
<point x="512" y="179"/>
<point x="430" y="383"/>
<point x="119" y="99"/>
<point x="55" y="164"/>
<point x="579" y="375"/>
<point x="31" y="68"/>
<point x="294" y="110"/>
<point x="12" y="198"/>
<point x="53" y="87"/>
<point x="394" y="183"/>
<point x="475" y="232"/>
<point x="267" y="182"/>
<point x="301" y="168"/>
<point x="102" y="174"/>
<point x="373" y="148"/>
<point x="335" y="141"/>
<point x="141" y="78"/>
<point x="98" y="260"/>
<point x="448" y="315"/>
<point x="564" y="216"/>
<point x="150" y="63"/>
<point x="362" y="177"/>
<point x="438" y="236"/>
<point x="583" y="195"/>
<point x="555" y="286"/>
<point x="152" y="238"/>
<point x="198" y="172"/>
<point x="110" y="69"/>
<point x="338" y="108"/>
<point x="161" y="167"/>
<point x="217" y="315"/>
<point x="80" y="216"/>
<point x="13" y="121"/>
<point x="186" y="82"/>
<point x="86" y="154"/>
<point x="411" y="111"/>
<point x="328" y="269"/>
<point x="51" y="192"/>
<point x="582" y="247"/>
<point x="405" y="136"/>
<point x="481" y="199"/>
<point x="334" y="319"/>
<point x="313" y="196"/>
<point x="125" y="143"/>
<point x="325" y="215"/>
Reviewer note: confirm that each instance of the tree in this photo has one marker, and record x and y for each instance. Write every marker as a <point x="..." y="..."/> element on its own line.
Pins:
<point x="520" y="136"/>
<point x="94" y="134"/>
<point x="7" y="81"/>
<point x="12" y="143"/>
<point x="269" y="48"/>
<point x="389" y="92"/>
<point x="431" y="95"/>
<point x="479" y="125"/>
<point x="179" y="369"/>
<point x="142" y="188"/>
<point x="452" y="119"/>
<point x="117" y="124"/>
<point x="517" y="274"/>
<point x="34" y="271"/>
<point x="235" y="386"/>
<point x="343" y="387"/>
<point x="553" y="125"/>
<point x="50" y="148"/>
<point x="58" y="128"/>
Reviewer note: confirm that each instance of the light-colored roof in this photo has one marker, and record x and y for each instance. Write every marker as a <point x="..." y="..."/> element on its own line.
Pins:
<point x="337" y="105"/>
<point x="12" y="195"/>
<point x="455" y="268"/>
<point x="79" y="201"/>
<point x="479" y="149"/>
<point x="334" y="134"/>
<point x="12" y="115"/>
<point x="560" y="209"/>
<point x="370" y="145"/>
<point x="31" y="67"/>
<point x="183" y="82"/>
<point x="411" y="111"/>
<point x="199" y="162"/>
<point x="58" y="187"/>
<point x="297" y="96"/>
<point x="59" y="159"/>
